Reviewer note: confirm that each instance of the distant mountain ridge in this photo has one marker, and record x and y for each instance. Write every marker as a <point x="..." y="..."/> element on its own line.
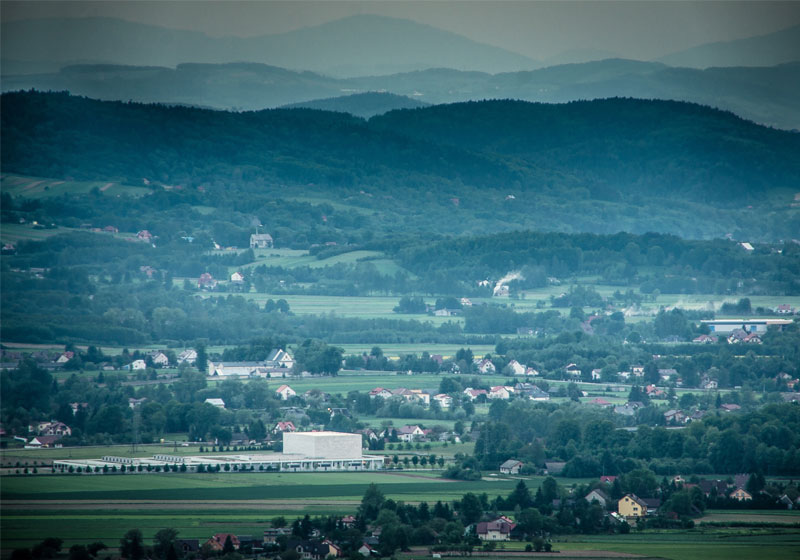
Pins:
<point x="769" y="96"/>
<point x="353" y="46"/>
<point x="770" y="49"/>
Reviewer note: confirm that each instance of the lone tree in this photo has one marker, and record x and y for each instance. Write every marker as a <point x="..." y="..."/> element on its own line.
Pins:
<point x="371" y="502"/>
<point x="131" y="546"/>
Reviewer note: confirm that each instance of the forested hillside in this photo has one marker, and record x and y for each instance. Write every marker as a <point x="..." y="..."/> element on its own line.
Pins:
<point x="600" y="166"/>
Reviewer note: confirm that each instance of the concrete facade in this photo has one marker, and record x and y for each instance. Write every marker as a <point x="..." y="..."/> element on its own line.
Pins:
<point x="323" y="445"/>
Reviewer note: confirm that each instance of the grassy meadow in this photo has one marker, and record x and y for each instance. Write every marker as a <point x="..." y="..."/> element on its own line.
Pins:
<point x="40" y="187"/>
<point x="91" y="508"/>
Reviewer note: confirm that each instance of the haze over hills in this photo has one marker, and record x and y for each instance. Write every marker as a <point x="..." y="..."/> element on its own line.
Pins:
<point x="364" y="105"/>
<point x="353" y="46"/>
<point x="768" y="96"/>
<point x="621" y="165"/>
<point x="764" y="50"/>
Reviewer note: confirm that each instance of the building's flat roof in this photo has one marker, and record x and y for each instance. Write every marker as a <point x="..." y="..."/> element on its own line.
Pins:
<point x="740" y="321"/>
<point x="322" y="434"/>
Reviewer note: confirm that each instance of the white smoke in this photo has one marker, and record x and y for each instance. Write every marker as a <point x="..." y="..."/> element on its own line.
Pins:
<point x="505" y="280"/>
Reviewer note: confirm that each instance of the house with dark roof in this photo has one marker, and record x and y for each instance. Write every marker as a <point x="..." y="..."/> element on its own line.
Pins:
<point x="497" y="530"/>
<point x="632" y="505"/>
<point x="598" y="495"/>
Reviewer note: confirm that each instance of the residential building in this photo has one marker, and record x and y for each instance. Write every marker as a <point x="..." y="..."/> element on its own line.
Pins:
<point x="631" y="505"/>
<point x="381" y="393"/>
<point x="445" y="401"/>
<point x="741" y="495"/>
<point x="500" y="392"/>
<point x="158" y="358"/>
<point x="219" y="403"/>
<point x="599" y="496"/>
<point x="497" y="530"/>
<point x="284" y="427"/>
<point x="516" y="368"/>
<point x="285" y="392"/>
<point x="512" y="466"/>
<point x="261" y="241"/>
<point x="485" y="366"/>
<point x="188" y="356"/>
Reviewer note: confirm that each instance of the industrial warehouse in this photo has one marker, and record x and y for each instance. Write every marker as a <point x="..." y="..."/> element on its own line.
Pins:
<point x="302" y="452"/>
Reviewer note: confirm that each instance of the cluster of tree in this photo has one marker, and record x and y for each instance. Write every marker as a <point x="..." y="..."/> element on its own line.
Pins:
<point x="51" y="548"/>
<point x="616" y="346"/>
<point x="673" y="265"/>
<point x="588" y="441"/>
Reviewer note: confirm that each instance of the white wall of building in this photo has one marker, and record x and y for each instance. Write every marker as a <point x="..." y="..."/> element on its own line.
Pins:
<point x="327" y="445"/>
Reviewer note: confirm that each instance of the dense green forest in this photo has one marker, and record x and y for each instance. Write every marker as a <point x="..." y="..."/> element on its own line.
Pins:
<point x="601" y="166"/>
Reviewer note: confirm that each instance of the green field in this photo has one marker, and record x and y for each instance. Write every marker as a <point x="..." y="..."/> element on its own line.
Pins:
<point x="13" y="233"/>
<point x="89" y="508"/>
<point x="38" y="187"/>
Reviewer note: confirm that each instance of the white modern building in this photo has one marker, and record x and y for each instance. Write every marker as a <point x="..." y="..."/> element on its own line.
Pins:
<point x="302" y="452"/>
<point x="759" y="326"/>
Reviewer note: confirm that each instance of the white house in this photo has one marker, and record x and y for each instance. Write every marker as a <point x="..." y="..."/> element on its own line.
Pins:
<point x="486" y="366"/>
<point x="219" y="403"/>
<point x="516" y="368"/>
<point x="65" y="357"/>
<point x="260" y="241"/>
<point x="497" y="530"/>
<point x="445" y="401"/>
<point x="285" y="392"/>
<point x="237" y="277"/>
<point x="474" y="393"/>
<point x="381" y="393"/>
<point x="410" y="433"/>
<point x="159" y="358"/>
<point x="137" y="365"/>
<point x="598" y="495"/>
<point x="499" y="392"/>
<point x="188" y="356"/>
<point x="280" y="358"/>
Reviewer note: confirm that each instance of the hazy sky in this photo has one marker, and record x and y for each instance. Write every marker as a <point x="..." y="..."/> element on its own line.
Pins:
<point x="643" y="29"/>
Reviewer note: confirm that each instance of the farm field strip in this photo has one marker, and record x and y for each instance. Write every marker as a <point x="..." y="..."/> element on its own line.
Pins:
<point x="244" y="486"/>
